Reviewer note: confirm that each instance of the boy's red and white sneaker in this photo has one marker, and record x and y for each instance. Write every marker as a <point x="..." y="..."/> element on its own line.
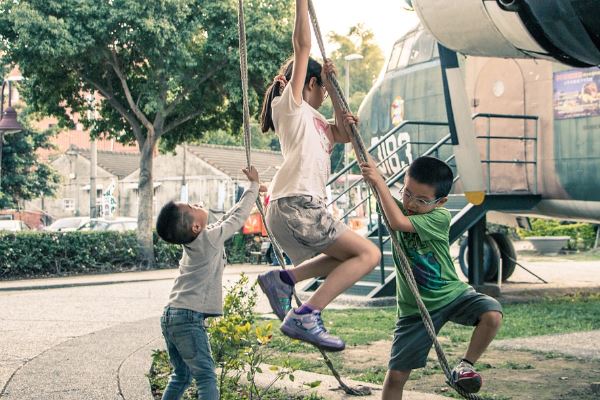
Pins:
<point x="465" y="376"/>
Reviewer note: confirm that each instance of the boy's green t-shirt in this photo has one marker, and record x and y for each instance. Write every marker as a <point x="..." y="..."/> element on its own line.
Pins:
<point x="428" y="253"/>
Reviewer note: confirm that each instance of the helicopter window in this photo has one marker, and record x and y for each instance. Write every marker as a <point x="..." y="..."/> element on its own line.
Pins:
<point x="395" y="55"/>
<point x="406" y="51"/>
<point x="422" y="49"/>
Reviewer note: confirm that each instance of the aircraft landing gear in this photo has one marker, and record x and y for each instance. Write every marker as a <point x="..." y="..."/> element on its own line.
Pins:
<point x="497" y="249"/>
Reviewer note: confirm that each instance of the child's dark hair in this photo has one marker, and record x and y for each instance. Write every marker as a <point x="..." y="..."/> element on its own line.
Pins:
<point x="313" y="70"/>
<point x="173" y="225"/>
<point x="434" y="172"/>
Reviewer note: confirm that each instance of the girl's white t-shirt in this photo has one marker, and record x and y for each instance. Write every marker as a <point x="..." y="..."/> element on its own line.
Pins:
<point x="306" y="144"/>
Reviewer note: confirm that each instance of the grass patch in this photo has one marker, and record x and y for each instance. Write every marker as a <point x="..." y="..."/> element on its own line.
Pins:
<point x="573" y="313"/>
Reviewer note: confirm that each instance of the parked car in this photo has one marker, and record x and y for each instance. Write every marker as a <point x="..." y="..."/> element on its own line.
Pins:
<point x="67" y="224"/>
<point x="13" y="225"/>
<point x="118" y="224"/>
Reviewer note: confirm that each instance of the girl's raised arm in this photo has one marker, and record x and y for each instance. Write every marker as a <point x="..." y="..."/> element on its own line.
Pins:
<point x="301" y="42"/>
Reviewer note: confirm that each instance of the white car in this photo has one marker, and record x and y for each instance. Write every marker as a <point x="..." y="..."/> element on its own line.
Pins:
<point x="118" y="224"/>
<point x="13" y="225"/>
<point x="67" y="224"/>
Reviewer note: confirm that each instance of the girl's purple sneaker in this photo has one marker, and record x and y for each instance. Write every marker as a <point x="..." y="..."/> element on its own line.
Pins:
<point x="309" y="328"/>
<point x="277" y="291"/>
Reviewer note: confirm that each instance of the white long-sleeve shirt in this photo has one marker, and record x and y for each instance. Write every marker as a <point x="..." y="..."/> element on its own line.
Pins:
<point x="199" y="286"/>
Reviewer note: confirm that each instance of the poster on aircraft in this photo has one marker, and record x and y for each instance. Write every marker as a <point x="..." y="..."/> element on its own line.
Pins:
<point x="576" y="93"/>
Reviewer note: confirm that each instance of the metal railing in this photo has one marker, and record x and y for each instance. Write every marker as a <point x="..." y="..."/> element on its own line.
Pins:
<point x="433" y="150"/>
<point x="523" y="138"/>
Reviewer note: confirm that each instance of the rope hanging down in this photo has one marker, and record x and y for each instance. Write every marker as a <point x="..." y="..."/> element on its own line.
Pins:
<point x="361" y="154"/>
<point x="361" y="391"/>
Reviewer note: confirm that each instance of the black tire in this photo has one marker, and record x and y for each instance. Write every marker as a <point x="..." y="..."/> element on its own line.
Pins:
<point x="509" y="5"/>
<point x="491" y="258"/>
<point x="508" y="256"/>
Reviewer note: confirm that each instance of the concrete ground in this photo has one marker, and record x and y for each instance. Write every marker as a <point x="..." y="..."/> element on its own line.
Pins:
<point x="91" y="337"/>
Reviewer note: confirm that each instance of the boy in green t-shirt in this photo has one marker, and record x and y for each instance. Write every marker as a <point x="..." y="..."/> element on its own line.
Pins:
<point x="422" y="227"/>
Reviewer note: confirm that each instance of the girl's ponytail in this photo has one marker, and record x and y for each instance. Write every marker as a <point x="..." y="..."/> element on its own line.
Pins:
<point x="276" y="88"/>
<point x="266" y="115"/>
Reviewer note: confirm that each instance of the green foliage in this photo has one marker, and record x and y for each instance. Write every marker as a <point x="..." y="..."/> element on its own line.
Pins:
<point x="239" y="348"/>
<point x="262" y="141"/>
<point x="165" y="70"/>
<point x="24" y="177"/>
<point x="582" y="235"/>
<point x="178" y="59"/>
<point x="36" y="254"/>
<point x="238" y="248"/>
<point x="363" y="72"/>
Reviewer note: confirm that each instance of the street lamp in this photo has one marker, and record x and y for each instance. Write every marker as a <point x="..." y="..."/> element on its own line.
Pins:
<point x="8" y="119"/>
<point x="348" y="59"/>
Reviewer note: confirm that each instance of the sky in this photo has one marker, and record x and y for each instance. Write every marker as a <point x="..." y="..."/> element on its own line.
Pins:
<point x="386" y="18"/>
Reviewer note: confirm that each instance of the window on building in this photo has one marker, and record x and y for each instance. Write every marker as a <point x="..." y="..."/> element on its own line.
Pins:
<point x="69" y="204"/>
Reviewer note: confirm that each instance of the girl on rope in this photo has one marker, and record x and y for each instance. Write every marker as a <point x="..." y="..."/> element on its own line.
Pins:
<point x="316" y="243"/>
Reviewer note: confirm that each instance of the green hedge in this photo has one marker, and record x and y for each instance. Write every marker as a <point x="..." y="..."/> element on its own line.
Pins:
<point x="582" y="235"/>
<point x="27" y="254"/>
<point x="37" y="254"/>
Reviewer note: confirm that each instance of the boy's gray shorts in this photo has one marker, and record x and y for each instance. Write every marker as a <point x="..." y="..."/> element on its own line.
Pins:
<point x="411" y="343"/>
<point x="302" y="226"/>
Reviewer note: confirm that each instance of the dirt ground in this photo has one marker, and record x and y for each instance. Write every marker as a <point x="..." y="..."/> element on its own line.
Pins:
<point x="508" y="375"/>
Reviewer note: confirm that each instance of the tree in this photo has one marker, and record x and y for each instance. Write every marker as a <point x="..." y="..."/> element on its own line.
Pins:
<point x="262" y="141"/>
<point x="363" y="73"/>
<point x="362" y="41"/>
<point x="24" y="177"/>
<point x="167" y="70"/>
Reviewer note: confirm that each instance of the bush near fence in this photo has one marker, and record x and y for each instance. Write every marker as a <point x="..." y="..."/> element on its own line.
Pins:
<point x="38" y="254"/>
<point x="582" y="235"/>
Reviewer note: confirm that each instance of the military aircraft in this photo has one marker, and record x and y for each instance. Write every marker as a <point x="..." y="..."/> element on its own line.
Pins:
<point x="517" y="113"/>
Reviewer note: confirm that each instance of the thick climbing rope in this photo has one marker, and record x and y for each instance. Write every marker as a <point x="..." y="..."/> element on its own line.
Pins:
<point x="406" y="270"/>
<point x="360" y="391"/>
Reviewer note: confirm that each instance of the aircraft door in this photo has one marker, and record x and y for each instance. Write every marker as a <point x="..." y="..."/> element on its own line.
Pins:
<point x="499" y="89"/>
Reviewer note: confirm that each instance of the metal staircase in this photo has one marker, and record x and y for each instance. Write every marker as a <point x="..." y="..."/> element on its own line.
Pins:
<point x="465" y="217"/>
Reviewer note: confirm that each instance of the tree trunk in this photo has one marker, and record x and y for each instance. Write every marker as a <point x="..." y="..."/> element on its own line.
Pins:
<point x="145" y="209"/>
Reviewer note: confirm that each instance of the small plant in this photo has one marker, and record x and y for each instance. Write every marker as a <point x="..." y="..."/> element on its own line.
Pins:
<point x="240" y="349"/>
<point x="582" y="235"/>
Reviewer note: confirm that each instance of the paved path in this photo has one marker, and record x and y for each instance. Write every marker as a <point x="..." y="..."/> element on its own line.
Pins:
<point x="579" y="344"/>
<point x="91" y="337"/>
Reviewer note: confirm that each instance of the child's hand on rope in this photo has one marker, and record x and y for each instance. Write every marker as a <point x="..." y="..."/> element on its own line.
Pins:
<point x="263" y="188"/>
<point x="370" y="173"/>
<point x="251" y="173"/>
<point x="328" y="67"/>
<point x="350" y="119"/>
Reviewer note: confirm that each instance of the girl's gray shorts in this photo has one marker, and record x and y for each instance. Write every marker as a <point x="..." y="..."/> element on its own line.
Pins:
<point x="302" y="226"/>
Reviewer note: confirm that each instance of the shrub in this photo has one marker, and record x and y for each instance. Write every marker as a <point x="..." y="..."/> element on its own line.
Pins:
<point x="29" y="254"/>
<point x="239" y="348"/>
<point x="36" y="254"/>
<point x="582" y="235"/>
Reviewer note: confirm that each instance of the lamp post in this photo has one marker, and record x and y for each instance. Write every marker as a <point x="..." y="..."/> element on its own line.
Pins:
<point x="349" y="58"/>
<point x="8" y="119"/>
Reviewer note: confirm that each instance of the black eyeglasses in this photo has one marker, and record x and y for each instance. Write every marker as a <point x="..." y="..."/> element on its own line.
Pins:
<point x="419" y="201"/>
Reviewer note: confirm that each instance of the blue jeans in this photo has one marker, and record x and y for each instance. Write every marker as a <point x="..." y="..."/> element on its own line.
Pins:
<point x="189" y="353"/>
